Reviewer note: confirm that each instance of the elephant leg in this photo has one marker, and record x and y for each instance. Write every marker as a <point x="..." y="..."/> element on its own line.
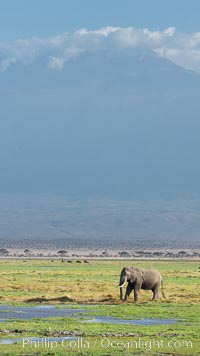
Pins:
<point x="128" y="291"/>
<point x="121" y="294"/>
<point x="135" y="294"/>
<point x="155" y="293"/>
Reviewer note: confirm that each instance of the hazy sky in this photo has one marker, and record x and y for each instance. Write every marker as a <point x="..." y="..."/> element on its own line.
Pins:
<point x="170" y="28"/>
<point x="26" y="18"/>
<point x="100" y="98"/>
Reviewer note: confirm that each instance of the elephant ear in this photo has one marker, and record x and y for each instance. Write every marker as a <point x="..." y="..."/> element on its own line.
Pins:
<point x="136" y="276"/>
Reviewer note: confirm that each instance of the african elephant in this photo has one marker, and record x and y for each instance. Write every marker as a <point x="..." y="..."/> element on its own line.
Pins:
<point x="138" y="278"/>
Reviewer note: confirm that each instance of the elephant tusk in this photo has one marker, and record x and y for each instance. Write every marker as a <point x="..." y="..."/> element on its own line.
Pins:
<point x="122" y="285"/>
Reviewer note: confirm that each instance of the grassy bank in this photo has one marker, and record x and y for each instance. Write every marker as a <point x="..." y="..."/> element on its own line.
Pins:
<point x="33" y="281"/>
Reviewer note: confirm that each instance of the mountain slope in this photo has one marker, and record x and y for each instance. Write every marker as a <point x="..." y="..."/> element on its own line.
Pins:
<point x="119" y="124"/>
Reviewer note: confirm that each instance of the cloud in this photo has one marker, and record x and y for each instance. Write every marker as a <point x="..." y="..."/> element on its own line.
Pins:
<point x="5" y="63"/>
<point x="57" y="63"/>
<point x="189" y="59"/>
<point x="181" y="48"/>
<point x="105" y="31"/>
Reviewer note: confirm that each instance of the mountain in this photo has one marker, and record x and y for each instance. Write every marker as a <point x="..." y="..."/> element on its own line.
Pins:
<point x="121" y="124"/>
<point x="42" y="221"/>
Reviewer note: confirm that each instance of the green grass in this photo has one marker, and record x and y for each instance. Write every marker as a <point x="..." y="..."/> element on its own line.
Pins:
<point x="23" y="283"/>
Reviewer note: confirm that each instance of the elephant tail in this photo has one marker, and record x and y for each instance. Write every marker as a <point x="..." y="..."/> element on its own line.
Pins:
<point x="163" y="294"/>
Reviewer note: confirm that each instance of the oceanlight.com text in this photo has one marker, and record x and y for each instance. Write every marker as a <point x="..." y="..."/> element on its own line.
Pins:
<point x="106" y="343"/>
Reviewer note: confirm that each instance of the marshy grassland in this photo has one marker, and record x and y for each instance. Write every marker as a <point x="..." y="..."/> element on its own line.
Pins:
<point x="93" y="284"/>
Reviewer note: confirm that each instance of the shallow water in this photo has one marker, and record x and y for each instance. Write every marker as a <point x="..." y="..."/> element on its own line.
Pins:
<point x="142" y="322"/>
<point x="49" y="311"/>
<point x="41" y="311"/>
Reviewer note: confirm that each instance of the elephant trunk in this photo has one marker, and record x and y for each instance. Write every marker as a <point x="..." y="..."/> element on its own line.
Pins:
<point x="122" y="282"/>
